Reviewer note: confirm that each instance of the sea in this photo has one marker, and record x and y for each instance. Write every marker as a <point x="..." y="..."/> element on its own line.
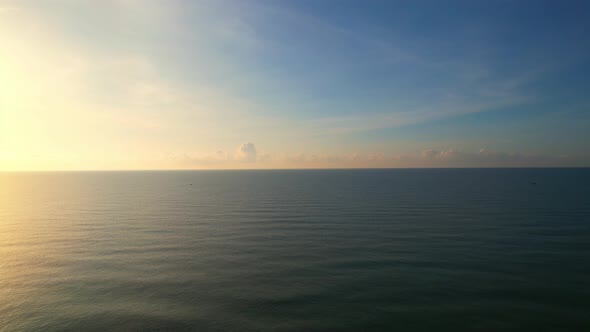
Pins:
<point x="296" y="250"/>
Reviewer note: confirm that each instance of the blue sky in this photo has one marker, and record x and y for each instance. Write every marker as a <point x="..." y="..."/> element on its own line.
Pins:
<point x="187" y="84"/>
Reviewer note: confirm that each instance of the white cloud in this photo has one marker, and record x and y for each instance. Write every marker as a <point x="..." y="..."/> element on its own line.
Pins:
<point x="246" y="152"/>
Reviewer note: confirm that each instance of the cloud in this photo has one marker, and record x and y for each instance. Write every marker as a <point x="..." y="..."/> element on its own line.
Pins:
<point x="429" y="154"/>
<point x="423" y="113"/>
<point x="248" y="156"/>
<point x="246" y="152"/>
<point x="489" y="158"/>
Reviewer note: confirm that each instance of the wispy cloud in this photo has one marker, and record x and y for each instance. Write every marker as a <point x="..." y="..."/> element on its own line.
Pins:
<point x="420" y="114"/>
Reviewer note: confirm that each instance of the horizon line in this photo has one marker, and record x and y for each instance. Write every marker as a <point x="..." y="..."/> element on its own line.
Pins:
<point x="285" y="169"/>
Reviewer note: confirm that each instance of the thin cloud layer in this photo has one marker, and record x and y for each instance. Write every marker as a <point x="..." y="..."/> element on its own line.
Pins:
<point x="248" y="154"/>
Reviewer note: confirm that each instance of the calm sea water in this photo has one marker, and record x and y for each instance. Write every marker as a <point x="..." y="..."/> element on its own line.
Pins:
<point x="320" y="250"/>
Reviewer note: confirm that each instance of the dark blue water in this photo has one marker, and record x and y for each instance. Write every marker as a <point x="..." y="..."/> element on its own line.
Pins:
<point x="320" y="250"/>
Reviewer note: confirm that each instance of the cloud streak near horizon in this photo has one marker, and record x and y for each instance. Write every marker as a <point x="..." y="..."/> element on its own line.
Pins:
<point x="451" y="157"/>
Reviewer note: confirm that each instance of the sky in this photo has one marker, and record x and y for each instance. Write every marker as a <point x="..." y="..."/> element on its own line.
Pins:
<point x="221" y="84"/>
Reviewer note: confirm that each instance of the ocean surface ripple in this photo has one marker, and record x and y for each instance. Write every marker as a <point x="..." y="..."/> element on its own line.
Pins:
<point x="294" y="250"/>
